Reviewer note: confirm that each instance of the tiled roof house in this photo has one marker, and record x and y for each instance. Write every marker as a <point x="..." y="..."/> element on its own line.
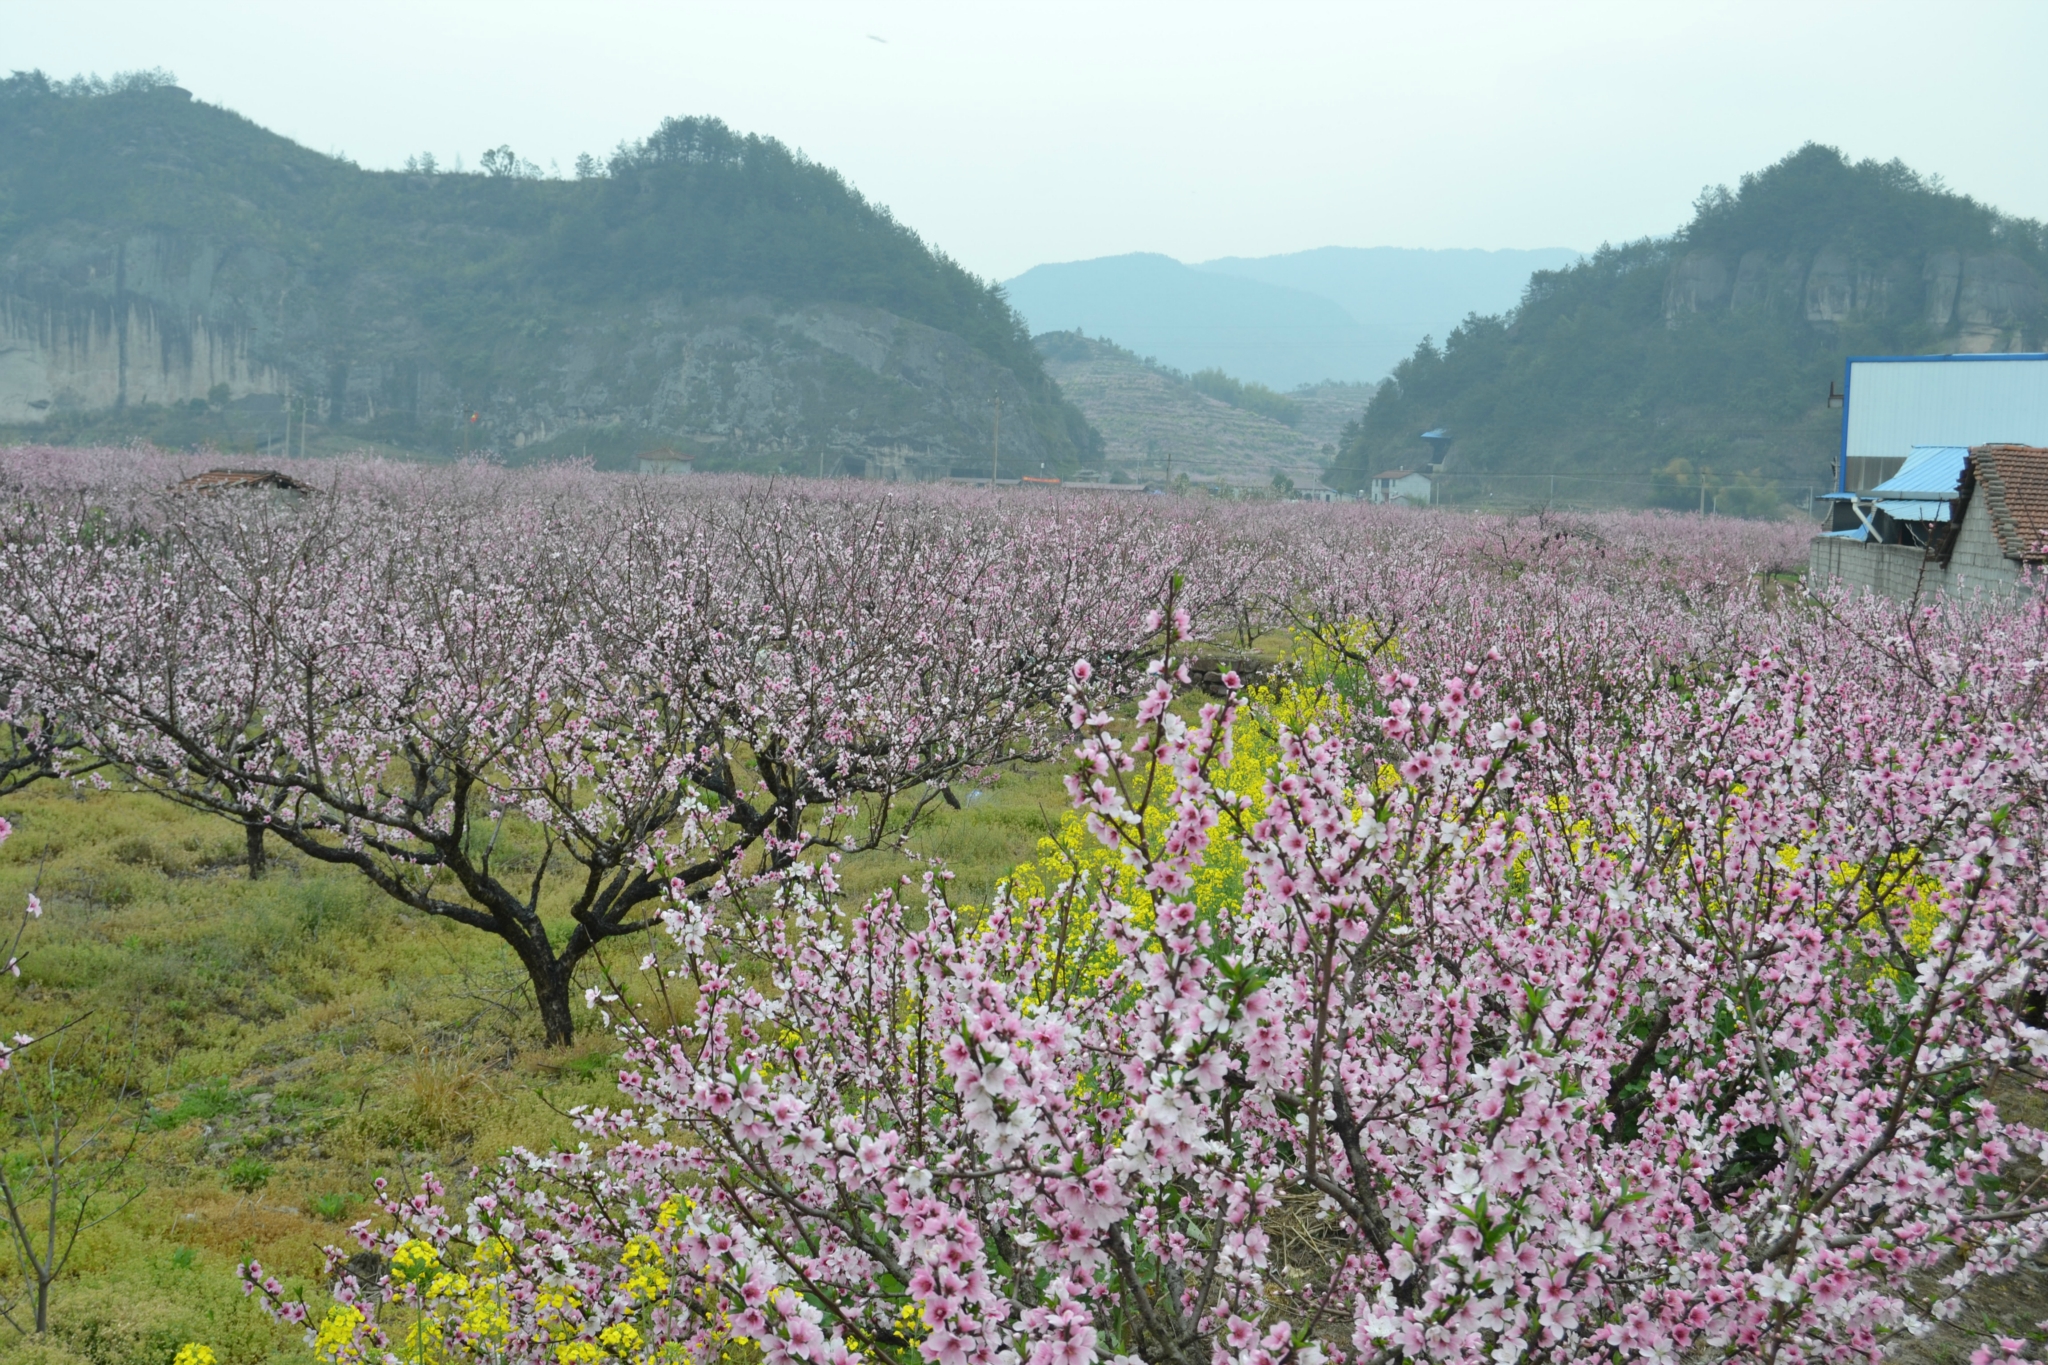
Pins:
<point x="2012" y="482"/>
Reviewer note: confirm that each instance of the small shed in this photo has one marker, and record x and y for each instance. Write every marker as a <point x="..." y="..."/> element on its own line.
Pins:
<point x="666" y="462"/>
<point x="1413" y="486"/>
<point x="243" y="481"/>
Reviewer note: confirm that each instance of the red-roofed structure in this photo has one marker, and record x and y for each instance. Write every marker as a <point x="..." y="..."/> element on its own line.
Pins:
<point x="2012" y="481"/>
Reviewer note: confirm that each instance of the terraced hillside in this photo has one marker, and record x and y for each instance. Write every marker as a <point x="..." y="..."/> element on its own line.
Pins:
<point x="1329" y="407"/>
<point x="1155" y="425"/>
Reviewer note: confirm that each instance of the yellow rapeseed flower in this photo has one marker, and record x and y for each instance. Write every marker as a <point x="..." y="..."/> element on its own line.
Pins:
<point x="336" y="1338"/>
<point x="416" y="1260"/>
<point x="649" y="1279"/>
<point x="621" y="1339"/>
<point x="192" y="1353"/>
<point x="422" y="1344"/>
<point x="448" y="1285"/>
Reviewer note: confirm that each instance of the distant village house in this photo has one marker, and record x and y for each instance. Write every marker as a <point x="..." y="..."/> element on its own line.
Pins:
<point x="1411" y="486"/>
<point x="666" y="462"/>
<point x="1958" y="521"/>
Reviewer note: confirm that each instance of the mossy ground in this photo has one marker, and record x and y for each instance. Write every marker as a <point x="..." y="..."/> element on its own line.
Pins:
<point x="273" y="1047"/>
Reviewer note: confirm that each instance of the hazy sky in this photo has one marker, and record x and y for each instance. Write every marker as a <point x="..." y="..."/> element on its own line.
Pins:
<point x="1013" y="134"/>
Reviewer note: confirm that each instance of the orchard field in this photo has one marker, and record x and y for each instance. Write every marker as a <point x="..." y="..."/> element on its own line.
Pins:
<point x="685" y="919"/>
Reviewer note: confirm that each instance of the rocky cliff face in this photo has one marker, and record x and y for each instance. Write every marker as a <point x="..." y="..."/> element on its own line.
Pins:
<point x="157" y="319"/>
<point x="1966" y="302"/>
<point x="135" y="321"/>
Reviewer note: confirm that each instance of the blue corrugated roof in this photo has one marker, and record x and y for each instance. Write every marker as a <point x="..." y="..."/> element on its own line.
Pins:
<point x="1929" y="472"/>
<point x="1855" y="533"/>
<point x="1914" y="511"/>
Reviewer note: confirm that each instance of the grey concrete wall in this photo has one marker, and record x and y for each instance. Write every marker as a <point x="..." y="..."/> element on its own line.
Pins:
<point x="1978" y="567"/>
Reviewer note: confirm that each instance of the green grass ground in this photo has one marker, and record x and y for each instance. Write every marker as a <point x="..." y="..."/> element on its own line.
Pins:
<point x="272" y="1047"/>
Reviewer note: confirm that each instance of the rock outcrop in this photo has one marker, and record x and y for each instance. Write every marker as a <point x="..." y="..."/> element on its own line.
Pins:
<point x="155" y="319"/>
<point x="1969" y="302"/>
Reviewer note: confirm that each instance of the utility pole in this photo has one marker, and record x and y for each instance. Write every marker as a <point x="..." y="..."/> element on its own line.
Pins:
<point x="1703" y="491"/>
<point x="995" y="458"/>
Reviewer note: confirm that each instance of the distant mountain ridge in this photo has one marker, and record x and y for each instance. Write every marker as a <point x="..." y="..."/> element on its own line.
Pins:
<point x="1336" y="313"/>
<point x="171" y="270"/>
<point x="1698" y="365"/>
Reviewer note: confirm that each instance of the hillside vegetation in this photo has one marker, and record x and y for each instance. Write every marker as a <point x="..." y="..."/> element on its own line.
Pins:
<point x="1706" y="356"/>
<point x="1157" y="423"/>
<point x="171" y="269"/>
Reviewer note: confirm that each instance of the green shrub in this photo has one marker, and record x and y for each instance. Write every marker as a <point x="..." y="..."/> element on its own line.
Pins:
<point x="333" y="1207"/>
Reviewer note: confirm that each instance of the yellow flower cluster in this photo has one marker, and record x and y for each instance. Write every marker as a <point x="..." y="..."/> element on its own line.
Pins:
<point x="649" y="1280"/>
<point x="192" y="1353"/>
<point x="414" y="1261"/>
<point x="465" y="1312"/>
<point x="336" y="1338"/>
<point x="621" y="1339"/>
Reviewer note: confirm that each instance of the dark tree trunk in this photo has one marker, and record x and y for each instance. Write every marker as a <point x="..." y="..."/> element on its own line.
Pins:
<point x="252" y="830"/>
<point x="551" y="989"/>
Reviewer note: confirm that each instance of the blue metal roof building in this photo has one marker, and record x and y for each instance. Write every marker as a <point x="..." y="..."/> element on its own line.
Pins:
<point x="1892" y="404"/>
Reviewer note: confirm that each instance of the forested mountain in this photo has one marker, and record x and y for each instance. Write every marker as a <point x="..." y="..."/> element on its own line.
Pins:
<point x="171" y="269"/>
<point x="1706" y="356"/>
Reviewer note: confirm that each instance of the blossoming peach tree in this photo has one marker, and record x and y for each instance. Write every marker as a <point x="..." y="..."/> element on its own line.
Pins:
<point x="1678" y="1034"/>
<point x="409" y="675"/>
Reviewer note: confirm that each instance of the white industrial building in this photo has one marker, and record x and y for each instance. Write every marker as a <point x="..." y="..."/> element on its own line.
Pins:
<point x="1942" y="481"/>
<point x="1401" y="485"/>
